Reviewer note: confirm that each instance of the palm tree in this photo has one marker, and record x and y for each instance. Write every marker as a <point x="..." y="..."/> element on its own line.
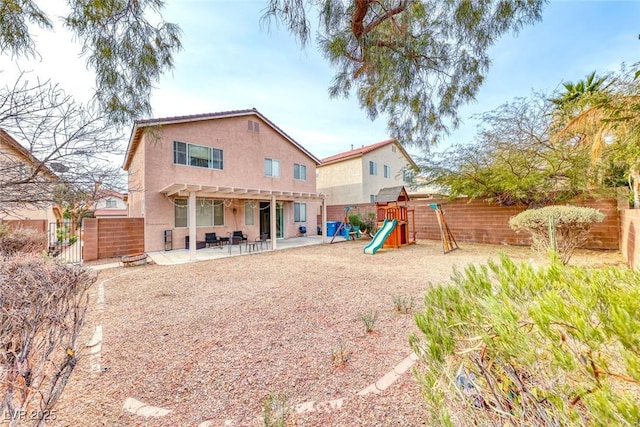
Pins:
<point x="605" y="112"/>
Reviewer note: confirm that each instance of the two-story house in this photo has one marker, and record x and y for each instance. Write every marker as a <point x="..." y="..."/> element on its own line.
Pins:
<point x="219" y="172"/>
<point x="356" y="176"/>
<point x="26" y="184"/>
<point x="110" y="204"/>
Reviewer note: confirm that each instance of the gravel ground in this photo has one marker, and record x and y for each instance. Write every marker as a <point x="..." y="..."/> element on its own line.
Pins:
<point x="210" y="341"/>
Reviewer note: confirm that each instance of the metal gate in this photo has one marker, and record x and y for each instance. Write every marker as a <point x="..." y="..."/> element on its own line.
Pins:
<point x="65" y="241"/>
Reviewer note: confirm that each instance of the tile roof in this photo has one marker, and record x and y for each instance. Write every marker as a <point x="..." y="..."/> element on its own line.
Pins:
<point x="136" y="132"/>
<point x="26" y="154"/>
<point x="358" y="152"/>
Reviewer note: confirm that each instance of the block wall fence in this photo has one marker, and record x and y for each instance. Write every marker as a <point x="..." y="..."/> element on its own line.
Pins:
<point x="35" y="224"/>
<point x="112" y="237"/>
<point x="629" y="237"/>
<point x="478" y="221"/>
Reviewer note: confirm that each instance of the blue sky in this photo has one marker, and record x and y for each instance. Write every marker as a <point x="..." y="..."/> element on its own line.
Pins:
<point x="229" y="62"/>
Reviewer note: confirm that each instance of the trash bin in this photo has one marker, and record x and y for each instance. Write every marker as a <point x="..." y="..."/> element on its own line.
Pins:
<point x="332" y="226"/>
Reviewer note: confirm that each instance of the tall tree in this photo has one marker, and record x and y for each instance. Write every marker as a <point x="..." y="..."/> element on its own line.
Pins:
<point x="417" y="61"/>
<point x="607" y="119"/>
<point x="69" y="143"/>
<point x="515" y="161"/>
<point x="127" y="52"/>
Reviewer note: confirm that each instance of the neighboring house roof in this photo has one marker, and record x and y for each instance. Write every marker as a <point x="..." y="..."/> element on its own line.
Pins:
<point x="103" y="194"/>
<point x="359" y="152"/>
<point x="9" y="141"/>
<point x="392" y="194"/>
<point x="139" y="125"/>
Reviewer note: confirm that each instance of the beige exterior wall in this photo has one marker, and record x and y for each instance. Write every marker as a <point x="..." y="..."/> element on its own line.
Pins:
<point x="136" y="178"/>
<point x="390" y="156"/>
<point x="244" y="152"/>
<point x="10" y="156"/>
<point x="342" y="182"/>
<point x="349" y="181"/>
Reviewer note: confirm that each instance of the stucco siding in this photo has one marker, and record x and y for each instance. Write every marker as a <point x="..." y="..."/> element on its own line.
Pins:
<point x="342" y="181"/>
<point x="244" y="153"/>
<point x="349" y="181"/>
<point x="384" y="156"/>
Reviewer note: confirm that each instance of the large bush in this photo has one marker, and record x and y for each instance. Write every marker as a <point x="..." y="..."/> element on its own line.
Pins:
<point x="43" y="306"/>
<point x="571" y="225"/>
<point x="22" y="240"/>
<point x="511" y="345"/>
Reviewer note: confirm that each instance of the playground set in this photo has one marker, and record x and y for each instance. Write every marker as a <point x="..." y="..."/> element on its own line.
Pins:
<point x="396" y="221"/>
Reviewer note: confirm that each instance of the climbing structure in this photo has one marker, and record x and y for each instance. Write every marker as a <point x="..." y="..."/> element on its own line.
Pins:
<point x="392" y="203"/>
<point x="448" y="241"/>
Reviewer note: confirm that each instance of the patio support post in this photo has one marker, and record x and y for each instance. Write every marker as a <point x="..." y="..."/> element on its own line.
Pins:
<point x="192" y="225"/>
<point x="272" y="216"/>
<point x="324" y="221"/>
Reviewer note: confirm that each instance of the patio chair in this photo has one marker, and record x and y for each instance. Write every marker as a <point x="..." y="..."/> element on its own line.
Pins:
<point x="199" y="244"/>
<point x="239" y="234"/>
<point x="262" y="240"/>
<point x="212" y="240"/>
<point x="235" y="240"/>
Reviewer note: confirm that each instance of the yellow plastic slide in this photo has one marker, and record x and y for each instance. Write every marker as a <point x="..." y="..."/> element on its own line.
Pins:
<point x="380" y="237"/>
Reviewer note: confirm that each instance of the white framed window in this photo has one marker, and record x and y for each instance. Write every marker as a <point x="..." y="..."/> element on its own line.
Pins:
<point x="181" y="214"/>
<point x="299" y="212"/>
<point x="208" y="213"/>
<point x="272" y="167"/>
<point x="204" y="213"/>
<point x="372" y="198"/>
<point x="387" y="171"/>
<point x="393" y="148"/>
<point x="373" y="168"/>
<point x="299" y="172"/>
<point x="248" y="212"/>
<point x="110" y="203"/>
<point x="197" y="155"/>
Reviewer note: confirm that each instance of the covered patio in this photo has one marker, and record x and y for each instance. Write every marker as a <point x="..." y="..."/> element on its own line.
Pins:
<point x="197" y="191"/>
<point x="181" y="256"/>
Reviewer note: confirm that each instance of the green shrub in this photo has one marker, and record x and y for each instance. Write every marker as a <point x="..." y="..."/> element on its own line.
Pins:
<point x="354" y="219"/>
<point x="511" y="345"/>
<point x="275" y="410"/>
<point x="22" y="240"/>
<point x="369" y="320"/>
<point x="572" y="225"/>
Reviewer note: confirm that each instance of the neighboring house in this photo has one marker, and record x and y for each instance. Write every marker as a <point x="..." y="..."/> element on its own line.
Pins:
<point x="219" y="172"/>
<point x="111" y="204"/>
<point x="356" y="176"/>
<point x="21" y="200"/>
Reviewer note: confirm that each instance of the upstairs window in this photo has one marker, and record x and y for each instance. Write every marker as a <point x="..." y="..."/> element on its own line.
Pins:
<point x="373" y="168"/>
<point x="387" y="171"/>
<point x="272" y="167"/>
<point x="372" y="198"/>
<point x="299" y="172"/>
<point x="111" y="203"/>
<point x="197" y="155"/>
